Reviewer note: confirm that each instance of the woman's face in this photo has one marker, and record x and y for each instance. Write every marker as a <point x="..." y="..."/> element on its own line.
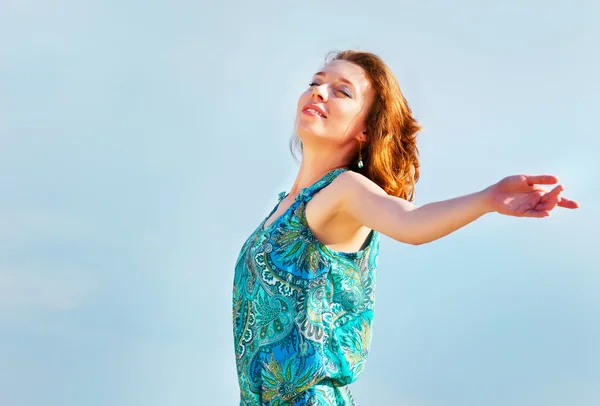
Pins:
<point x="336" y="104"/>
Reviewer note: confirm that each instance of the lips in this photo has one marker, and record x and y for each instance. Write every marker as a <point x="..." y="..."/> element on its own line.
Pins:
<point x="314" y="109"/>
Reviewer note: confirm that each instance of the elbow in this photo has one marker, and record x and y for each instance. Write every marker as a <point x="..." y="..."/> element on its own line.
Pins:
<point x="416" y="240"/>
<point x="419" y="242"/>
<point x="411" y="240"/>
<point x="412" y="236"/>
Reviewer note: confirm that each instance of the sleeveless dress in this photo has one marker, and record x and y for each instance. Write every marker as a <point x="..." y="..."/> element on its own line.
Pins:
<point x="302" y="313"/>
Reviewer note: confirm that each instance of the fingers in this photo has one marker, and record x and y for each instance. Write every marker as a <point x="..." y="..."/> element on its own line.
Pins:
<point x="560" y="201"/>
<point x="536" y="213"/>
<point x="568" y="203"/>
<point x="549" y="205"/>
<point x="553" y="198"/>
<point x="553" y="194"/>
<point x="541" y="179"/>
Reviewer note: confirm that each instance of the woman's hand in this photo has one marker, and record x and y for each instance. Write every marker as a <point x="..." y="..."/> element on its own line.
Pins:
<point x="521" y="196"/>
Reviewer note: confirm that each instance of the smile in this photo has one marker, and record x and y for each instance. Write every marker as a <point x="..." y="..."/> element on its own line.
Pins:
<point x="313" y="112"/>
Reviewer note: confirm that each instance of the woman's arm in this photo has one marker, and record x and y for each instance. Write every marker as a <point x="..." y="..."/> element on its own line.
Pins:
<point x="403" y="221"/>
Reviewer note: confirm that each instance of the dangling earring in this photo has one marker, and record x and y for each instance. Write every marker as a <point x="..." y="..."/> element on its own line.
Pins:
<point x="360" y="162"/>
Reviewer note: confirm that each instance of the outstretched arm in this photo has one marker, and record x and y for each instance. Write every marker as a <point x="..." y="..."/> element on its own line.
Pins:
<point x="518" y="195"/>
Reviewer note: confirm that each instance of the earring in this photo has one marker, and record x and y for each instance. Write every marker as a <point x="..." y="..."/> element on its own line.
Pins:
<point x="360" y="162"/>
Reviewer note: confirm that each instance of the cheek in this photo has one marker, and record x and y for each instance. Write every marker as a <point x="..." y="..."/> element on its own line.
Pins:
<point x="303" y="99"/>
<point x="349" y="118"/>
<point x="343" y="113"/>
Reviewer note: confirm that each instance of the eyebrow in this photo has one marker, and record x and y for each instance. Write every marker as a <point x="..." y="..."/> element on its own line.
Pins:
<point x="341" y="79"/>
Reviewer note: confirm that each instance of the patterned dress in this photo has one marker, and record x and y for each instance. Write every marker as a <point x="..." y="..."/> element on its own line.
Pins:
<point x="302" y="313"/>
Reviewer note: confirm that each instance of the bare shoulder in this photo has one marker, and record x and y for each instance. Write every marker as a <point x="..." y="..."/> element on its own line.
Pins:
<point x="352" y="205"/>
<point x="351" y="184"/>
<point x="347" y="186"/>
<point x="328" y="203"/>
<point x="360" y="199"/>
<point x="330" y="222"/>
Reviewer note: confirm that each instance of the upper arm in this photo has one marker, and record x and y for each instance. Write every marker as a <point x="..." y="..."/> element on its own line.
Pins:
<point x="363" y="200"/>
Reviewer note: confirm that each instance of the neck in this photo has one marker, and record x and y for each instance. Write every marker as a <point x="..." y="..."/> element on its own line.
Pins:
<point x="313" y="167"/>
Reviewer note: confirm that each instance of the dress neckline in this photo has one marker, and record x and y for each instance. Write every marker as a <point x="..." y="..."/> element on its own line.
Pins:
<point x="304" y="192"/>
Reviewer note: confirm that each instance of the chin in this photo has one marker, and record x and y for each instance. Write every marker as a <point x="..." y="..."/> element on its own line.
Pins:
<point x="310" y="131"/>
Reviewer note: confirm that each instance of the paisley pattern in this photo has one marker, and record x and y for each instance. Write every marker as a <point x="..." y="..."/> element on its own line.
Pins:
<point x="302" y="313"/>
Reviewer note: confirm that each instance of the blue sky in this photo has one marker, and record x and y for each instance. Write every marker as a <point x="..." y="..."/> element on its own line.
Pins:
<point x="140" y="144"/>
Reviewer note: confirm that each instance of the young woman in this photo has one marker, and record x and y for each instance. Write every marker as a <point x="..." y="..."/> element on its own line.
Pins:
<point x="304" y="281"/>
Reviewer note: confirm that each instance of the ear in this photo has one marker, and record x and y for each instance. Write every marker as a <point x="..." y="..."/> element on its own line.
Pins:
<point x="362" y="136"/>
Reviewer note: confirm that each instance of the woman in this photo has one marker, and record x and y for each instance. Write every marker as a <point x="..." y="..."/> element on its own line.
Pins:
<point x="304" y="281"/>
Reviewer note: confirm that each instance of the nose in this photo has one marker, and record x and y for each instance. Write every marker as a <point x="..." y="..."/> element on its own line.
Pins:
<point x="318" y="93"/>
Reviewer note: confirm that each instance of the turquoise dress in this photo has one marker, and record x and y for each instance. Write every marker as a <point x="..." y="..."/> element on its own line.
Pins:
<point x="302" y="313"/>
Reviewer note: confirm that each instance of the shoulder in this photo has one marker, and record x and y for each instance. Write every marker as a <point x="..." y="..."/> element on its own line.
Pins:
<point x="330" y="201"/>
<point x="347" y="187"/>
<point x="361" y="199"/>
<point x="350" y="184"/>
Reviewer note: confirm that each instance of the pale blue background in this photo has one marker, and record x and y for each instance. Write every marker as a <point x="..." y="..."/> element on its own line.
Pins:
<point x="141" y="142"/>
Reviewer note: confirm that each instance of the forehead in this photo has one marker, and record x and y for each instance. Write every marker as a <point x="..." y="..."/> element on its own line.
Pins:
<point x="349" y="71"/>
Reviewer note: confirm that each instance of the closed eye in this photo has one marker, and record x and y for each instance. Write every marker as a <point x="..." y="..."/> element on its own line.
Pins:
<point x="345" y="92"/>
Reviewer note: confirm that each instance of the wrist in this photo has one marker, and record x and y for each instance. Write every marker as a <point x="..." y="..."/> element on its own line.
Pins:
<point x="486" y="198"/>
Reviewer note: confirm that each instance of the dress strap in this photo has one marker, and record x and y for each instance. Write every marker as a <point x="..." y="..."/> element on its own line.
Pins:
<point x="307" y="193"/>
<point x="281" y="196"/>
